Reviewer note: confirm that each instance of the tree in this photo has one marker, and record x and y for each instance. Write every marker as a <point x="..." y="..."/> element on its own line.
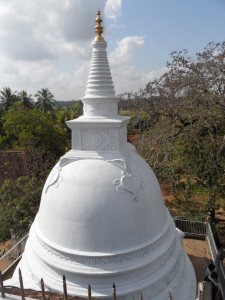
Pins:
<point x="188" y="139"/>
<point x="72" y="111"/>
<point x="7" y="98"/>
<point x="69" y="112"/>
<point x="20" y="197"/>
<point x="45" y="100"/>
<point x="25" y="99"/>
<point x="24" y="128"/>
<point x="19" y="202"/>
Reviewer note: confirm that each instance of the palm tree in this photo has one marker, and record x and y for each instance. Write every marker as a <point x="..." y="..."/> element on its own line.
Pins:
<point x="26" y="99"/>
<point x="7" y="98"/>
<point x="45" y="100"/>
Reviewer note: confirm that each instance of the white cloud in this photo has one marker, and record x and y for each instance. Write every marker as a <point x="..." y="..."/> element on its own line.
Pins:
<point x="47" y="43"/>
<point x="125" y="48"/>
<point x="126" y="76"/>
<point x="113" y="9"/>
<point x="129" y="78"/>
<point x="36" y="30"/>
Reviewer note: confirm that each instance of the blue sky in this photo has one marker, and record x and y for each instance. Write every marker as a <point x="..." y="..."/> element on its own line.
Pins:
<point x="169" y="25"/>
<point x="47" y="44"/>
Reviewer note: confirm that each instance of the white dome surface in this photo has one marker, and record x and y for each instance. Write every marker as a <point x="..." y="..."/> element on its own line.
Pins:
<point x="101" y="222"/>
<point x="97" y="213"/>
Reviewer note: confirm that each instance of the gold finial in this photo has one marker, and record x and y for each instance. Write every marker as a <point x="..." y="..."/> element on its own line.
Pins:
<point x="98" y="27"/>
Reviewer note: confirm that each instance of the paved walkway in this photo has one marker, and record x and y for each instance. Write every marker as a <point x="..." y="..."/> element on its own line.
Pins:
<point x="198" y="253"/>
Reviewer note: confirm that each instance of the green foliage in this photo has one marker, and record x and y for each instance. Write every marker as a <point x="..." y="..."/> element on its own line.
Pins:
<point x="45" y="100"/>
<point x="7" y="98"/>
<point x="186" y="139"/>
<point x="139" y="122"/>
<point x="43" y="137"/>
<point x="70" y="112"/>
<point x="185" y="203"/>
<point x="26" y="99"/>
<point x="24" y="128"/>
<point x="19" y="203"/>
<point x="19" y="199"/>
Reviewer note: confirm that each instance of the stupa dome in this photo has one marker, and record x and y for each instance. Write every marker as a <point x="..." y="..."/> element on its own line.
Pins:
<point x="103" y="202"/>
<point x="102" y="218"/>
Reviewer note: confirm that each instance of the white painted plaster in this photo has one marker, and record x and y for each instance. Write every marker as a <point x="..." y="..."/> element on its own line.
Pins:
<point x="102" y="218"/>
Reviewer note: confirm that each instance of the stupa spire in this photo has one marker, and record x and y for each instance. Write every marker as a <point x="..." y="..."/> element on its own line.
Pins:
<point x="100" y="99"/>
<point x="98" y="27"/>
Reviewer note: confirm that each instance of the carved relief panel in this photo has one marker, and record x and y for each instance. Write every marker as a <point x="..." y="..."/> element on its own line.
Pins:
<point x="95" y="139"/>
<point x="92" y="139"/>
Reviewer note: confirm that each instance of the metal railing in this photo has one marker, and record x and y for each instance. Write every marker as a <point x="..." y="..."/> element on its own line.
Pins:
<point x="204" y="291"/>
<point x="192" y="229"/>
<point x="11" y="257"/>
<point x="203" y="230"/>
<point x="221" y="274"/>
<point x="5" y="290"/>
<point x="216" y="259"/>
<point x="211" y="244"/>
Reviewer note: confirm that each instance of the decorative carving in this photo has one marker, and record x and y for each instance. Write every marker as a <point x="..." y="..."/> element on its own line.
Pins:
<point x="88" y="108"/>
<point x="123" y="136"/>
<point x="129" y="183"/>
<point x="54" y="177"/>
<point x="94" y="139"/>
<point x="98" y="27"/>
<point x="118" y="163"/>
<point x="111" y="259"/>
<point x="175" y="275"/>
<point x="113" y="139"/>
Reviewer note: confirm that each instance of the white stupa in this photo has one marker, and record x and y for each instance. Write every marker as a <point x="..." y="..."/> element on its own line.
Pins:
<point x="102" y="219"/>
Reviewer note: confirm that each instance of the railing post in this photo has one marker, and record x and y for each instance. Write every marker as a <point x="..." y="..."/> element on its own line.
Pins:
<point x="42" y="289"/>
<point x="89" y="292"/>
<point x="114" y="291"/>
<point x="206" y="290"/>
<point x="21" y="285"/>
<point x="200" y="291"/>
<point x="170" y="296"/>
<point x="141" y="296"/>
<point x="64" y="287"/>
<point x="2" y="285"/>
